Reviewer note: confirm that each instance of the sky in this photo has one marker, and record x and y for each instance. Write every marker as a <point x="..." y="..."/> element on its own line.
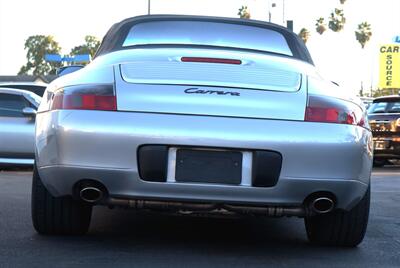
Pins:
<point x="338" y="56"/>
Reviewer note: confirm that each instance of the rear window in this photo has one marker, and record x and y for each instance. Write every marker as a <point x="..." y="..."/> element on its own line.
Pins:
<point x="385" y="107"/>
<point x="207" y="33"/>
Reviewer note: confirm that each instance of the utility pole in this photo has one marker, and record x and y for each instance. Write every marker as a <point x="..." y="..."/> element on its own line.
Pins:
<point x="148" y="7"/>
<point x="270" y="6"/>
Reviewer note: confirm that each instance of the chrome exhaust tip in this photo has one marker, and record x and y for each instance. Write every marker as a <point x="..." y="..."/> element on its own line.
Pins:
<point x="91" y="194"/>
<point x="322" y="205"/>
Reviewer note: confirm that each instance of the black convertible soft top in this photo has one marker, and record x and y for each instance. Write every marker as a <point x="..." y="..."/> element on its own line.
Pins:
<point x="115" y="37"/>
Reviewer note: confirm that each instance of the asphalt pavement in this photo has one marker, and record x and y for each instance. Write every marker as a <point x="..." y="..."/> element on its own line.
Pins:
<point x="123" y="238"/>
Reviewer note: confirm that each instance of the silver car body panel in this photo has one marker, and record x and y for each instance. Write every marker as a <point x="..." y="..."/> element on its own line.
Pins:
<point x="174" y="72"/>
<point x="75" y="145"/>
<point x="17" y="137"/>
<point x="72" y="145"/>
<point x="140" y="95"/>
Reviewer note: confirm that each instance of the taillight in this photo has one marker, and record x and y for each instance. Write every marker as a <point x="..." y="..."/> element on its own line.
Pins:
<point x="85" y="97"/>
<point x="329" y="110"/>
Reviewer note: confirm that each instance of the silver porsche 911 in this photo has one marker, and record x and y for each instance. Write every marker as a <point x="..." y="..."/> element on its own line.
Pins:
<point x="202" y="115"/>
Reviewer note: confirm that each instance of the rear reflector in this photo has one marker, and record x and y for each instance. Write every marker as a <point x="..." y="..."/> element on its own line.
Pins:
<point x="211" y="60"/>
<point x="85" y="97"/>
<point x="328" y="110"/>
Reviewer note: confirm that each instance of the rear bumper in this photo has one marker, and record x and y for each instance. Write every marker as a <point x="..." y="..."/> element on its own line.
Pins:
<point x="125" y="184"/>
<point x="390" y="148"/>
<point x="387" y="154"/>
<point x="76" y="145"/>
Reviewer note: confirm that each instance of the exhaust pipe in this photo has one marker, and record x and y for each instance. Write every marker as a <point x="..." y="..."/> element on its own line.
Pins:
<point x="221" y="208"/>
<point x="322" y="205"/>
<point x="91" y="194"/>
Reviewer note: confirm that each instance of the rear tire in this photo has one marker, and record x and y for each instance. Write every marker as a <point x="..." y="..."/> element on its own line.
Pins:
<point x="57" y="215"/>
<point x="340" y="228"/>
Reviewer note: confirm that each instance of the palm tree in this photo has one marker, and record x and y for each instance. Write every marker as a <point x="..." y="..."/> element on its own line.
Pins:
<point x="364" y="33"/>
<point x="244" y="12"/>
<point x="321" y="25"/>
<point x="304" y="35"/>
<point x="337" y="20"/>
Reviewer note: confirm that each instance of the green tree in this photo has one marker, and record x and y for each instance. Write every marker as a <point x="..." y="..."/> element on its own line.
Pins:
<point x="337" y="20"/>
<point x="320" y="25"/>
<point x="89" y="47"/>
<point x="385" y="92"/>
<point x="304" y="34"/>
<point x="364" y="33"/>
<point x="37" y="47"/>
<point x="244" y="12"/>
<point x="361" y="92"/>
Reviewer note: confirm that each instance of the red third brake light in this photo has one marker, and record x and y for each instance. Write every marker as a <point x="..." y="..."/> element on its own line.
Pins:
<point x="329" y="110"/>
<point x="211" y="60"/>
<point x="85" y="97"/>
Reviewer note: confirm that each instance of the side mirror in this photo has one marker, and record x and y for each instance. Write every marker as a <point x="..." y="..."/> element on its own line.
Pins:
<point x="29" y="112"/>
<point x="68" y="69"/>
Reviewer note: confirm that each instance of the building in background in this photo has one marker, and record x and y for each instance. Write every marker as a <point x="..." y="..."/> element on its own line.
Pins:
<point x="27" y="78"/>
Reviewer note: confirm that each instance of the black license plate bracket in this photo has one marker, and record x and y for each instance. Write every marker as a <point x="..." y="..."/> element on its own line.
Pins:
<point x="208" y="166"/>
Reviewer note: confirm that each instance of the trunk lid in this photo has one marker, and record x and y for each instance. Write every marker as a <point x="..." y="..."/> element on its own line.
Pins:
<point x="262" y="86"/>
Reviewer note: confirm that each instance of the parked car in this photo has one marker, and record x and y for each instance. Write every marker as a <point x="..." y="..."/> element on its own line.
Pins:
<point x="37" y="88"/>
<point x="384" y="118"/>
<point x="17" y="126"/>
<point x="172" y="117"/>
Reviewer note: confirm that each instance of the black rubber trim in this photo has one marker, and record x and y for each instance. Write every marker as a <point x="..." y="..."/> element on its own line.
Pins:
<point x="153" y="162"/>
<point x="266" y="168"/>
<point x="14" y="155"/>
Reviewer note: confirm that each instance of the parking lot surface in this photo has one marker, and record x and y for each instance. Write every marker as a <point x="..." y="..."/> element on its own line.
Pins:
<point x="123" y="238"/>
